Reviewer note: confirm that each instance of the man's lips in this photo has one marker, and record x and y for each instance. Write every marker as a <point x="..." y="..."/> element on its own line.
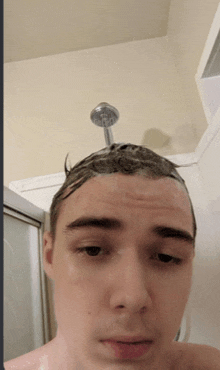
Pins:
<point x="129" y="339"/>
<point x="128" y="347"/>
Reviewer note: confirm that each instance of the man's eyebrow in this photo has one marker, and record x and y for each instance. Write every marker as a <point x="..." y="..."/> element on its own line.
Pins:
<point x="172" y="232"/>
<point x="113" y="223"/>
<point x="103" y="223"/>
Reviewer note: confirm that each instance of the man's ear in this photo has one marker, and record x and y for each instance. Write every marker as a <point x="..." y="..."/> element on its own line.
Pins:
<point x="48" y="250"/>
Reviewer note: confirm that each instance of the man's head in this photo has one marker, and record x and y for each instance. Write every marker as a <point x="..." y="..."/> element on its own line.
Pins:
<point x="120" y="253"/>
<point x="128" y="159"/>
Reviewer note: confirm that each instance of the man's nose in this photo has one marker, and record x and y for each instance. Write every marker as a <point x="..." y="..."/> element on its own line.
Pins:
<point x="131" y="286"/>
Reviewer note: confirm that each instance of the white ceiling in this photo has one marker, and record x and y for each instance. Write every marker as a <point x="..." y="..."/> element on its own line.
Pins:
<point x="37" y="28"/>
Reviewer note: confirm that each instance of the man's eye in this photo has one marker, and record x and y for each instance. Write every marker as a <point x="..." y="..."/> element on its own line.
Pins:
<point x="166" y="258"/>
<point x="91" y="251"/>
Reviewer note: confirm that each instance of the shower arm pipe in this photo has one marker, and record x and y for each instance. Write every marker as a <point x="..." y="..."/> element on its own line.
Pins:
<point x="108" y="136"/>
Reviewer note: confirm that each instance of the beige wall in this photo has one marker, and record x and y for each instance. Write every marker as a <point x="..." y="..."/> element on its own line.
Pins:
<point x="48" y="100"/>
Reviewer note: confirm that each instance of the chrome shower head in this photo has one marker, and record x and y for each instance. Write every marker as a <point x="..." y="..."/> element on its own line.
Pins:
<point x="105" y="115"/>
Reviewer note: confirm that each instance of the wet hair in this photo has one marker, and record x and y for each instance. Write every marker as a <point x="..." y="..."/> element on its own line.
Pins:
<point x="128" y="159"/>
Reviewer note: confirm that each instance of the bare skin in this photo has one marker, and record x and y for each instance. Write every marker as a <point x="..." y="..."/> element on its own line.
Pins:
<point x="113" y="277"/>
<point x="182" y="356"/>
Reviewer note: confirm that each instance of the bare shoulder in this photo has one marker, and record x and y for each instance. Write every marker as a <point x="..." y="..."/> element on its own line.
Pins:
<point x="34" y="360"/>
<point x="27" y="362"/>
<point x="206" y="357"/>
<point x="197" y="356"/>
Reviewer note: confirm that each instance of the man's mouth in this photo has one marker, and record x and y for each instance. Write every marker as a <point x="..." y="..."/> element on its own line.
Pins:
<point x="127" y="348"/>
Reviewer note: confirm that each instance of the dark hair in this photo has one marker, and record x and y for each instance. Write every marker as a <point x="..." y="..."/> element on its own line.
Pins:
<point x="127" y="159"/>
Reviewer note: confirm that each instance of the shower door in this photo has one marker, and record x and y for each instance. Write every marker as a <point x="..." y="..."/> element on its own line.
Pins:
<point x="25" y="296"/>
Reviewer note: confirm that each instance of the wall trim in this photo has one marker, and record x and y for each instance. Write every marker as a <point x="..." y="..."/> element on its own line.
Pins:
<point x="38" y="182"/>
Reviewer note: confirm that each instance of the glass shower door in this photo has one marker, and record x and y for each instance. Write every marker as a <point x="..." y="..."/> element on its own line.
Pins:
<point x="25" y="312"/>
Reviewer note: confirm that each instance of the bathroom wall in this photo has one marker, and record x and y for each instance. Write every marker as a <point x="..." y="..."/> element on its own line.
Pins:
<point x="152" y="83"/>
<point x="205" y="298"/>
<point x="188" y="28"/>
<point x="48" y="102"/>
<point x="203" y="182"/>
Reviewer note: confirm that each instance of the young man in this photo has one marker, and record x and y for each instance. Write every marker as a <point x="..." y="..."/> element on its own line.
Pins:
<point x="120" y="251"/>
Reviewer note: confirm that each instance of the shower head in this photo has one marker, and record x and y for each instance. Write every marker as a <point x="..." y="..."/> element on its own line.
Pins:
<point x="105" y="115"/>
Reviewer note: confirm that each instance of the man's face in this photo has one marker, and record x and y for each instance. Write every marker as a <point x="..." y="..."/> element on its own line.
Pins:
<point x="114" y="281"/>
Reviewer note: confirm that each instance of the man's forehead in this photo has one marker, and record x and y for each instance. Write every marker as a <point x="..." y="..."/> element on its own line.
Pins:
<point x="130" y="186"/>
